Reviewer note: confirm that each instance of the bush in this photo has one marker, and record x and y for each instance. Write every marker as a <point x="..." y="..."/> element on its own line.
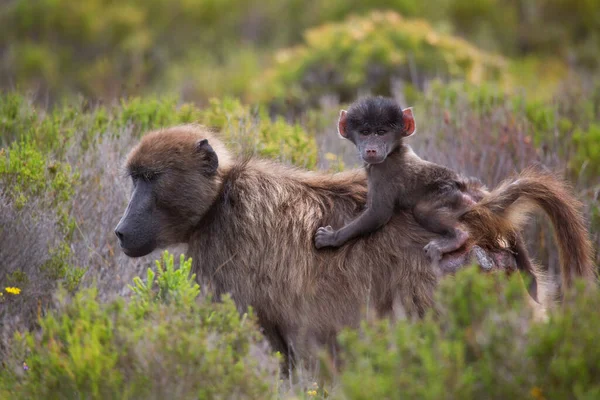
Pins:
<point x="562" y="127"/>
<point x="102" y="48"/>
<point x="80" y="124"/>
<point x="253" y="131"/>
<point x="147" y="348"/>
<point x="480" y="343"/>
<point x="34" y="183"/>
<point x="366" y="53"/>
<point x="174" y="285"/>
<point x="203" y="48"/>
<point x="568" y="28"/>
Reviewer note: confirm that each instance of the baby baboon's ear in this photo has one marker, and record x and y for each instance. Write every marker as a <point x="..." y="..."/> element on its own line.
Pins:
<point x="342" y="125"/>
<point x="210" y="158"/>
<point x="410" y="125"/>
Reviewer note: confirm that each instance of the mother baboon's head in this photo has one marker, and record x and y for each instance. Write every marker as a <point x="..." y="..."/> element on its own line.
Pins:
<point x="176" y="175"/>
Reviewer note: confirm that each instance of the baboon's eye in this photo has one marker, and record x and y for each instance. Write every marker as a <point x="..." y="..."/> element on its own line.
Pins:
<point x="381" y="131"/>
<point x="145" y="176"/>
<point x="150" y="176"/>
<point x="364" y="132"/>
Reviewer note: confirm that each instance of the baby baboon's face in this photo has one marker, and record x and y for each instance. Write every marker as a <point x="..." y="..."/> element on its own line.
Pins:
<point x="376" y="125"/>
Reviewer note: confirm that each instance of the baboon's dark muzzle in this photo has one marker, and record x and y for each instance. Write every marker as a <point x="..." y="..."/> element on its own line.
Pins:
<point x="137" y="229"/>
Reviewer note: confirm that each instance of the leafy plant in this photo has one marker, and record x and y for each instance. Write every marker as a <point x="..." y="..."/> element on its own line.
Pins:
<point x="480" y="342"/>
<point x="174" y="285"/>
<point x="174" y="345"/>
<point x="366" y="53"/>
<point x="252" y="129"/>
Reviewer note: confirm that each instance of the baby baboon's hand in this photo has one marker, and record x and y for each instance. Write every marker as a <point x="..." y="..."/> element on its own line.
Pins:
<point x="325" y="237"/>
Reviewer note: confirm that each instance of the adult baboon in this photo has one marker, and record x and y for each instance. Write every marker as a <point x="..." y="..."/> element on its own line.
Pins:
<point x="249" y="225"/>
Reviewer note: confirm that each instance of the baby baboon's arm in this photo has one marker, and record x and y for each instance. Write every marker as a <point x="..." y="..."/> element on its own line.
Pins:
<point x="378" y="213"/>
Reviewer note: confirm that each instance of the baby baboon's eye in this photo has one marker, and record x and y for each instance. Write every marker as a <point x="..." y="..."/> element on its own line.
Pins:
<point x="364" y="132"/>
<point x="381" y="131"/>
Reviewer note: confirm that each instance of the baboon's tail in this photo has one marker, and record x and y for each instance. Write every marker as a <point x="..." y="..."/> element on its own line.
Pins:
<point x="503" y="211"/>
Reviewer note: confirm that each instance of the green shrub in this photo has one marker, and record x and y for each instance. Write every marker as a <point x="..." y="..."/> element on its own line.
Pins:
<point x="174" y="285"/>
<point x="155" y="348"/>
<point x="256" y="132"/>
<point x="80" y="124"/>
<point x="26" y="172"/>
<point x="104" y="49"/>
<point x="563" y="125"/>
<point x="587" y="158"/>
<point x="100" y="47"/>
<point x="481" y="343"/>
<point x="366" y="53"/>
<point x="568" y="28"/>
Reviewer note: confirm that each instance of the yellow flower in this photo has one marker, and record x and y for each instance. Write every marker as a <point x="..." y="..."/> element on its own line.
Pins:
<point x="312" y="393"/>
<point x="536" y="393"/>
<point x="13" y="290"/>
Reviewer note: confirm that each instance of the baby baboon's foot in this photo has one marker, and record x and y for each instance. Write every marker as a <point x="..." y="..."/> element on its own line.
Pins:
<point x="433" y="251"/>
<point x="325" y="237"/>
<point x="482" y="257"/>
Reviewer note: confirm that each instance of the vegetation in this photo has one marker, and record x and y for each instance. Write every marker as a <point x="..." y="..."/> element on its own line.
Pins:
<point x="106" y="49"/>
<point x="366" y="53"/>
<point x="480" y="343"/>
<point x="168" y="344"/>
<point x="495" y="85"/>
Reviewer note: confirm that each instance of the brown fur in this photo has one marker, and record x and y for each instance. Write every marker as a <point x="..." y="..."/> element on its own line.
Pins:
<point x="502" y="212"/>
<point x="250" y="233"/>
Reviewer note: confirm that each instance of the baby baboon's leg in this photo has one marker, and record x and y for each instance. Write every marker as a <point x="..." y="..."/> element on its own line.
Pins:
<point x="441" y="220"/>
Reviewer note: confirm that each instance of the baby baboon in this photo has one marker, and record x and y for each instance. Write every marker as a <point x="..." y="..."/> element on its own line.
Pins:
<point x="399" y="179"/>
<point x="249" y="226"/>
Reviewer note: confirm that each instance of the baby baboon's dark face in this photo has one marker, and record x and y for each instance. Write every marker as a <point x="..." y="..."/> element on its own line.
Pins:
<point x="376" y="125"/>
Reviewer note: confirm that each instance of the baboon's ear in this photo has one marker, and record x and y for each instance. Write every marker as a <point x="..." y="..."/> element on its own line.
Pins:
<point x="342" y="125"/>
<point x="410" y="125"/>
<point x="210" y="158"/>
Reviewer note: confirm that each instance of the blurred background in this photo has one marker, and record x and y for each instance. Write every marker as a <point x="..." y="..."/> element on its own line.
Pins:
<point x="495" y="84"/>
<point x="200" y="49"/>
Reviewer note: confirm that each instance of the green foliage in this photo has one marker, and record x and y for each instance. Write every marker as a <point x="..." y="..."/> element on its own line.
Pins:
<point x="256" y="132"/>
<point x="59" y="267"/>
<point x="89" y="46"/>
<point x="201" y="77"/>
<point x="564" y="124"/>
<point x="172" y="345"/>
<point x="565" y="353"/>
<point x="174" y="285"/>
<point x="79" y="124"/>
<point x="587" y="158"/>
<point x="366" y="53"/>
<point x="542" y="27"/>
<point x="480" y="343"/>
<point x="27" y="172"/>
<point x="212" y="48"/>
<point x="153" y="113"/>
